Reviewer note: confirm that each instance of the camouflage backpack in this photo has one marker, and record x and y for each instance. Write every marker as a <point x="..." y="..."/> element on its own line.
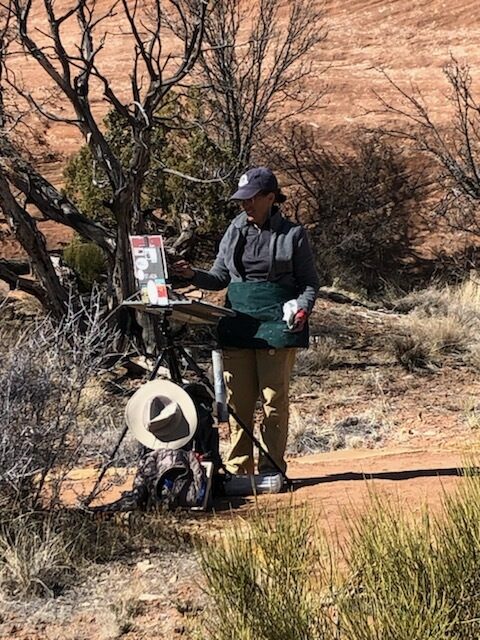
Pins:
<point x="170" y="478"/>
<point x="167" y="478"/>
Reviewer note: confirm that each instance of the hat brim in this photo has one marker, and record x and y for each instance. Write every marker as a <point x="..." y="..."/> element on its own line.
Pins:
<point x="245" y="193"/>
<point x="134" y="413"/>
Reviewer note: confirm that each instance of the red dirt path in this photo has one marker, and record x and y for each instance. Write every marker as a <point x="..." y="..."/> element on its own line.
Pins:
<point x="335" y="482"/>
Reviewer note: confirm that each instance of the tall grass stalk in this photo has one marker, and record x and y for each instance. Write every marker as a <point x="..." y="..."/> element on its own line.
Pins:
<point x="269" y="579"/>
<point x="404" y="576"/>
<point x="415" y="578"/>
<point x="394" y="589"/>
<point x="458" y="567"/>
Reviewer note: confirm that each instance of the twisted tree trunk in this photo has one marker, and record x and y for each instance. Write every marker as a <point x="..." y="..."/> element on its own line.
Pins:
<point x="51" y="292"/>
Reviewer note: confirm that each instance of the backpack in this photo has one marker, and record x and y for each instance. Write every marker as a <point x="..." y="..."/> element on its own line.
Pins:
<point x="205" y="442"/>
<point x="170" y="478"/>
<point x="166" y="478"/>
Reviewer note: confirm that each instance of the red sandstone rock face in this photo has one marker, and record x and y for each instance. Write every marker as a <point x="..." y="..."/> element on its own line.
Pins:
<point x="410" y="40"/>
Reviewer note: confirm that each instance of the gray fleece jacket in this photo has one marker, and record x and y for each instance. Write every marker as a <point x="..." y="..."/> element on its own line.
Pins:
<point x="291" y="259"/>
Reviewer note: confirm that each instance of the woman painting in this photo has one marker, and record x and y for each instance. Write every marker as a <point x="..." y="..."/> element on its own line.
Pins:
<point x="265" y="261"/>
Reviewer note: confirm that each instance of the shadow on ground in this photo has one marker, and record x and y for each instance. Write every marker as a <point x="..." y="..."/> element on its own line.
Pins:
<point x="298" y="483"/>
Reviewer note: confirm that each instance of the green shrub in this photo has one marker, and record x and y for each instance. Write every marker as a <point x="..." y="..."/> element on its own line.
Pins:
<point x="416" y="579"/>
<point x="82" y="188"/>
<point x="458" y="566"/>
<point x="394" y="592"/>
<point x="404" y="576"/>
<point x="176" y="145"/>
<point x="269" y="580"/>
<point x="87" y="260"/>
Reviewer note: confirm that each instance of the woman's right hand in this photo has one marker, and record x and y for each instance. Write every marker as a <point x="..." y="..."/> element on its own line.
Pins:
<point x="182" y="269"/>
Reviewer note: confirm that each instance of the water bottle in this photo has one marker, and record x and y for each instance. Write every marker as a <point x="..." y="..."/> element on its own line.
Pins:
<point x="219" y="384"/>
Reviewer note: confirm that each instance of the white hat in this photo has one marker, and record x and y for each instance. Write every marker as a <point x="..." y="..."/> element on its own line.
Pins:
<point x="161" y="415"/>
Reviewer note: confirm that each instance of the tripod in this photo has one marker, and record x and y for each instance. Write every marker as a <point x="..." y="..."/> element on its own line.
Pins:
<point x="171" y="352"/>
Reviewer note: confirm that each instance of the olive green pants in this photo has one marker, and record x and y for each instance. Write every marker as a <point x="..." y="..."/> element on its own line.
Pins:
<point x="251" y="374"/>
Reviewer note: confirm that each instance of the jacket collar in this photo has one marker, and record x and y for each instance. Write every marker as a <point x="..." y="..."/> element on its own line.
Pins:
<point x="276" y="219"/>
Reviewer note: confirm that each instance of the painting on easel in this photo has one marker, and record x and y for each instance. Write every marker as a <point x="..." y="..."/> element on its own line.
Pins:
<point x="150" y="268"/>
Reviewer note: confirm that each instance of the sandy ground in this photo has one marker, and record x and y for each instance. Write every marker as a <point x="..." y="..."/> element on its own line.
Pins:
<point x="423" y="441"/>
<point x="165" y="591"/>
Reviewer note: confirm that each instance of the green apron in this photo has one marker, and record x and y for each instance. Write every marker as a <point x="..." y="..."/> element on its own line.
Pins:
<point x="258" y="323"/>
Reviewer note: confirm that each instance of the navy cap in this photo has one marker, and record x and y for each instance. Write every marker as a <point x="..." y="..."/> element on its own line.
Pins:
<point x="256" y="180"/>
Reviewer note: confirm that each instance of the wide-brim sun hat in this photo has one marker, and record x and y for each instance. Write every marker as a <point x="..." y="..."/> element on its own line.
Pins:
<point x="161" y="415"/>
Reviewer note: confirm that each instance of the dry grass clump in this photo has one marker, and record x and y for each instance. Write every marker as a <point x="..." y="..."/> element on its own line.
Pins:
<point x="321" y="355"/>
<point x="426" y="340"/>
<point x="474" y="356"/>
<point x="309" y="435"/>
<point x="437" y="300"/>
<point x="413" y="353"/>
<point x="33" y="560"/>
<point x="43" y="553"/>
<point x="471" y="413"/>
<point x="123" y="611"/>
<point x="441" y="321"/>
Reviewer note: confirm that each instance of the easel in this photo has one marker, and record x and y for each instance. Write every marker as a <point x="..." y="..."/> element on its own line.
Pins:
<point x="171" y="352"/>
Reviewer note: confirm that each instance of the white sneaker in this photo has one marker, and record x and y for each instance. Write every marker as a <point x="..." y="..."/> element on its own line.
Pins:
<point x="249" y="485"/>
<point x="269" y="483"/>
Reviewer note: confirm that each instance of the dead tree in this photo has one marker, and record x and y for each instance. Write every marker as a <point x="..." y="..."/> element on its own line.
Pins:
<point x="71" y="72"/>
<point x="253" y="69"/>
<point x="453" y="146"/>
<point x="245" y="76"/>
<point x="48" y="289"/>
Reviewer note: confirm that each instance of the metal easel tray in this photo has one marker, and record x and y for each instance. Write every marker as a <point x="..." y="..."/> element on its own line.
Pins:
<point x="187" y="310"/>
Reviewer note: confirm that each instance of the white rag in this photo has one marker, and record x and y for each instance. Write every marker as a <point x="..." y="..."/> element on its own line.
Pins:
<point x="290" y="309"/>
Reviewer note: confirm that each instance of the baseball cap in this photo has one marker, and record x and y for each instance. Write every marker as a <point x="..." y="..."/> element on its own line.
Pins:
<point x="255" y="180"/>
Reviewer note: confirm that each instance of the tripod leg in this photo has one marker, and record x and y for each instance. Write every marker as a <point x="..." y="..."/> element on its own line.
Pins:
<point x="194" y="366"/>
<point x="157" y="366"/>
<point x="86" y="502"/>
<point x="174" y="365"/>
<point x="121" y="438"/>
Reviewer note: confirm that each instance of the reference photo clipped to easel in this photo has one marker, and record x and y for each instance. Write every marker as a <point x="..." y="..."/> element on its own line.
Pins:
<point x="174" y="415"/>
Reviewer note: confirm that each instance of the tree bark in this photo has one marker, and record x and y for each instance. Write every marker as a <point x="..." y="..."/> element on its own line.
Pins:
<point x="33" y="241"/>
<point x="16" y="281"/>
<point x="51" y="202"/>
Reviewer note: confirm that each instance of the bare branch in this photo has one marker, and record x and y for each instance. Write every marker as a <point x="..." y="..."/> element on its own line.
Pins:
<point x="145" y="51"/>
<point x="9" y="275"/>
<point x="33" y="242"/>
<point x="49" y="200"/>
<point x="189" y="178"/>
<point x="247" y="79"/>
<point x="455" y="149"/>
